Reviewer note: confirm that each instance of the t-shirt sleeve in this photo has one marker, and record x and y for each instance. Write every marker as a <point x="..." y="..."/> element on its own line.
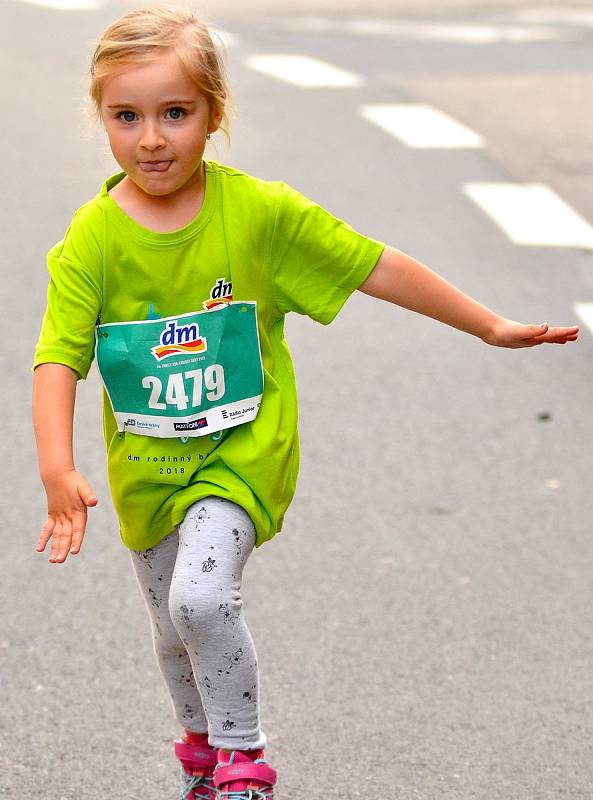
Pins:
<point x="317" y="259"/>
<point x="74" y="298"/>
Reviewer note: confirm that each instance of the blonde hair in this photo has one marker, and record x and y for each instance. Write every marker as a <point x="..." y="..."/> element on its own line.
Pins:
<point x="145" y="34"/>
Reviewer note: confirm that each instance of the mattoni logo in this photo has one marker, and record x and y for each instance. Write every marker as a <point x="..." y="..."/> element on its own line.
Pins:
<point x="194" y="425"/>
<point x="179" y="339"/>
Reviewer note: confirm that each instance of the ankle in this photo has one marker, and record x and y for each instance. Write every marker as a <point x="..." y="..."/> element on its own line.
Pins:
<point x="252" y="754"/>
<point x="191" y="737"/>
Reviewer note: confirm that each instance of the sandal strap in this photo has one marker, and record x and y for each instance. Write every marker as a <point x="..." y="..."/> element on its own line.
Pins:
<point x="245" y="771"/>
<point x="200" y="756"/>
<point x="197" y="788"/>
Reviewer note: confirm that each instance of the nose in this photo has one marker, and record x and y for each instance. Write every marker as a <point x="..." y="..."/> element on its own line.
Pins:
<point x="152" y="137"/>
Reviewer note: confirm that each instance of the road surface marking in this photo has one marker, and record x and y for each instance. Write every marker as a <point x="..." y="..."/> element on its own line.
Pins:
<point x="531" y="214"/>
<point x="585" y="312"/>
<point x="449" y="32"/>
<point x="462" y="33"/>
<point x="421" y="126"/>
<point x="67" y="5"/>
<point x="303" y="71"/>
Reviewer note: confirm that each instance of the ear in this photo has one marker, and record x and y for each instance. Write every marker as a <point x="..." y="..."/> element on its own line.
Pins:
<point x="215" y="120"/>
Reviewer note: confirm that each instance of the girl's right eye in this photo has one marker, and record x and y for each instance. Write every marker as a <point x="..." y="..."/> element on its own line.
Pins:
<point x="127" y="116"/>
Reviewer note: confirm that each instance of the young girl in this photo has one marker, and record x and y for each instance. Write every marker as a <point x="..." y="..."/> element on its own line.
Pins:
<point x="180" y="273"/>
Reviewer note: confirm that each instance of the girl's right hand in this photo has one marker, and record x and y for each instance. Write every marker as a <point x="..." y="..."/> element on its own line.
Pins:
<point x="68" y="497"/>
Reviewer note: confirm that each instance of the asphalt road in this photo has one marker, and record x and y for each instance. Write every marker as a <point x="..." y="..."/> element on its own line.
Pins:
<point x="423" y="622"/>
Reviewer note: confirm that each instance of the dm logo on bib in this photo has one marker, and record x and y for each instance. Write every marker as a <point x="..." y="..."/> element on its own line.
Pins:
<point x="176" y="339"/>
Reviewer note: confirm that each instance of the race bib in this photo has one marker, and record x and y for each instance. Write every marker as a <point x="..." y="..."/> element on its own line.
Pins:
<point x="189" y="375"/>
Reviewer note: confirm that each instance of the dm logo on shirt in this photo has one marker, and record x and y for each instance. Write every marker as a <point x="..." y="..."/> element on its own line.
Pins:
<point x="176" y="339"/>
<point x="220" y="294"/>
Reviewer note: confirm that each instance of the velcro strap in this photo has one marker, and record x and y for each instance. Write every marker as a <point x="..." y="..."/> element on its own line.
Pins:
<point x="244" y="772"/>
<point x="200" y="756"/>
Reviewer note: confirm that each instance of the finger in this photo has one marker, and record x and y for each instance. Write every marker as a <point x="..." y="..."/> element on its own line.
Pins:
<point x="563" y="333"/>
<point x="563" y="339"/>
<point x="557" y="337"/>
<point x="55" y="542"/>
<point x="78" y="527"/>
<point x="61" y="541"/>
<point x="65" y="540"/>
<point x="86" y="494"/>
<point x="569" y="330"/>
<point x="45" y="534"/>
<point x="550" y="335"/>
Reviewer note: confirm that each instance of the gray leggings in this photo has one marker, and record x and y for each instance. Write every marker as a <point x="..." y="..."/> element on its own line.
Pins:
<point x="191" y="582"/>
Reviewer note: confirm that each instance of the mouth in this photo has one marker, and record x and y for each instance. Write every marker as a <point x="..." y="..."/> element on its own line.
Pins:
<point x="154" y="166"/>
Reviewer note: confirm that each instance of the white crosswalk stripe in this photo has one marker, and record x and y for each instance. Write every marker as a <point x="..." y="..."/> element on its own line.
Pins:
<point x="532" y="214"/>
<point x="421" y="126"/>
<point x="304" y="71"/>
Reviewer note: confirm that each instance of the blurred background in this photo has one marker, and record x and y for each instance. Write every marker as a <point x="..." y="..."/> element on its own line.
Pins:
<point x="423" y="622"/>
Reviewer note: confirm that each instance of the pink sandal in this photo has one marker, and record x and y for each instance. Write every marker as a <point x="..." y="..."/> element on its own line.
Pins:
<point x="197" y="770"/>
<point x="238" y="777"/>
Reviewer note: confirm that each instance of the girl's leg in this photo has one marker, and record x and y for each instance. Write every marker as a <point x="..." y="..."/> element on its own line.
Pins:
<point x="215" y="540"/>
<point x="154" y="570"/>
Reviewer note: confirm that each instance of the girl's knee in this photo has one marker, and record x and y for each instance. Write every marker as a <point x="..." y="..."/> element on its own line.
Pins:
<point x="196" y="611"/>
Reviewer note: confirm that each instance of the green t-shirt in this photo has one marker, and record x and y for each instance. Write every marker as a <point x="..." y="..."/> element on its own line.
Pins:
<point x="257" y="240"/>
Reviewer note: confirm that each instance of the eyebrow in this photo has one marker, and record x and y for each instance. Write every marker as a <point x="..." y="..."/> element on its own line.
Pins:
<point x="173" y="102"/>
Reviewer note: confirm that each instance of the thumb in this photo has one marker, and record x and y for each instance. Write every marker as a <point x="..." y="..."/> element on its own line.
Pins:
<point x="88" y="497"/>
<point x="538" y="330"/>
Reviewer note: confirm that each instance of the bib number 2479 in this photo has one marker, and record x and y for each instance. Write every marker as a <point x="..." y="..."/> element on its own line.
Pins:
<point x="178" y="385"/>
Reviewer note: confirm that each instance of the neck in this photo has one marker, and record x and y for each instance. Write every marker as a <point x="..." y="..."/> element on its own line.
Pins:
<point x="162" y="213"/>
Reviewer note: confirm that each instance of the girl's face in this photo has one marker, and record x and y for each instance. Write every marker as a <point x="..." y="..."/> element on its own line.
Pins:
<point x="157" y="119"/>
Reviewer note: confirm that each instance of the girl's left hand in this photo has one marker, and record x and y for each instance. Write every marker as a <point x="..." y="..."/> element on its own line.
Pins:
<point x="506" y="333"/>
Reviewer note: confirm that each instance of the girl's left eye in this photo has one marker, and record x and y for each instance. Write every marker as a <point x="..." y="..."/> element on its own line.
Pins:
<point x="127" y="116"/>
<point x="176" y="113"/>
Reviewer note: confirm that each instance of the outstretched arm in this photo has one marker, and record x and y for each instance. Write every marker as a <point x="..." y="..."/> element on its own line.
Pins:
<point x="68" y="492"/>
<point x="402" y="280"/>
